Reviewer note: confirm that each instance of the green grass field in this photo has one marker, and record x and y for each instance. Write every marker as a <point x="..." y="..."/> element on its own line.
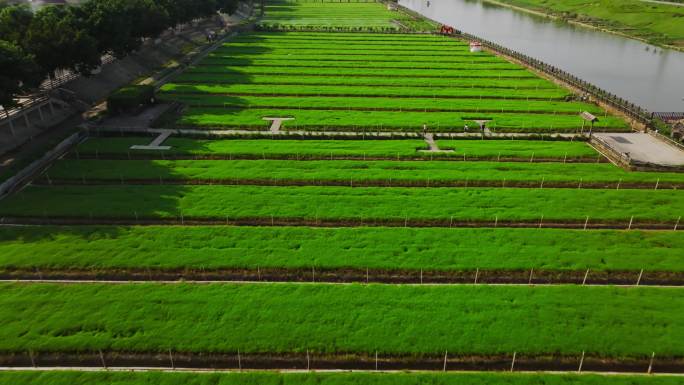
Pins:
<point x="152" y="378"/>
<point x="352" y="82"/>
<point x="297" y="149"/>
<point x="237" y="90"/>
<point x="388" y="103"/>
<point x="345" y="203"/>
<point x="611" y="322"/>
<point x="418" y="172"/>
<point x="369" y="120"/>
<point x="357" y="14"/>
<point x="346" y="81"/>
<point x="458" y="249"/>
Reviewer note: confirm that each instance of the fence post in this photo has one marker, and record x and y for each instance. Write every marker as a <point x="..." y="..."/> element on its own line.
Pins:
<point x="650" y="364"/>
<point x="445" y="360"/>
<point x="102" y="359"/>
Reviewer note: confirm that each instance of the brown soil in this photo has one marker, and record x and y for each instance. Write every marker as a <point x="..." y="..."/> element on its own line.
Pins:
<point x="350" y="361"/>
<point x="311" y="222"/>
<point x="352" y="275"/>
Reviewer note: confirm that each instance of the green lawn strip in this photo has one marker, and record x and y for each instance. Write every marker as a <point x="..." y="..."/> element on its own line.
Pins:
<point x="532" y="83"/>
<point x="457" y="249"/>
<point x="275" y="318"/>
<point x="350" y="70"/>
<point x="275" y="40"/>
<point x="358" y="15"/>
<point x="266" y="378"/>
<point x="493" y="149"/>
<point x="427" y="103"/>
<point x="389" y="120"/>
<point x="261" y="147"/>
<point x="329" y="14"/>
<point x="323" y="45"/>
<point x="296" y="56"/>
<point x="355" y="64"/>
<point x="523" y="149"/>
<point x="357" y="170"/>
<point x="363" y="37"/>
<point x="552" y="94"/>
<point x="345" y="203"/>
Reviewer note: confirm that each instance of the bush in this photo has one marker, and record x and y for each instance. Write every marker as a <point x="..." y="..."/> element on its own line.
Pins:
<point x="129" y="98"/>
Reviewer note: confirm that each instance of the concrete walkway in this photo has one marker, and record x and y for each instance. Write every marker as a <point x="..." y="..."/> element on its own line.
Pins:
<point x="644" y="148"/>
<point x="353" y="134"/>
<point x="432" y="145"/>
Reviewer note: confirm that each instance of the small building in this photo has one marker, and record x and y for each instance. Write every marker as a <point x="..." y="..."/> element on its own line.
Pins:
<point x="678" y="130"/>
<point x="475" y="46"/>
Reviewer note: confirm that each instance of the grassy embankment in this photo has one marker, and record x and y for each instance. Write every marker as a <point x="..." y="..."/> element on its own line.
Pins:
<point x="410" y="320"/>
<point x="656" y="23"/>
<point x="384" y="173"/>
<point x="369" y="204"/>
<point x="458" y="249"/>
<point x="312" y="149"/>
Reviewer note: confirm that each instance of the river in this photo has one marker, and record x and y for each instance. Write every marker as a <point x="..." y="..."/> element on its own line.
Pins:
<point x="646" y="75"/>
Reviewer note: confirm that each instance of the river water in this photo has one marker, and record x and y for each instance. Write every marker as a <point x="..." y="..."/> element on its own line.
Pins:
<point x="646" y="75"/>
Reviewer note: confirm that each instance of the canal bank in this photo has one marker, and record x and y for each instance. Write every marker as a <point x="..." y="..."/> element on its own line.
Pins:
<point x="586" y="21"/>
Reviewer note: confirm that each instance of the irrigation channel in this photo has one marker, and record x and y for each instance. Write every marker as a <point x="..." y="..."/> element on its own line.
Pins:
<point x="647" y="75"/>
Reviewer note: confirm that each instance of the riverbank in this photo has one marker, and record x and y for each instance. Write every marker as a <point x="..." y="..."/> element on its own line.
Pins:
<point x="657" y="24"/>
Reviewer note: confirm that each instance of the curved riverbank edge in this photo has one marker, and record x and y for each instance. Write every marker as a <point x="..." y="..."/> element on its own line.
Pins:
<point x="582" y="24"/>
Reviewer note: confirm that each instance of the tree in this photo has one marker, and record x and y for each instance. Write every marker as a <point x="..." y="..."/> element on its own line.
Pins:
<point x="14" y="21"/>
<point x="58" y="42"/>
<point x="18" y="72"/>
<point x="119" y="25"/>
<point x="227" y="6"/>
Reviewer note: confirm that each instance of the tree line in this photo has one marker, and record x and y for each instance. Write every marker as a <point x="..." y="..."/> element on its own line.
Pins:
<point x="34" y="45"/>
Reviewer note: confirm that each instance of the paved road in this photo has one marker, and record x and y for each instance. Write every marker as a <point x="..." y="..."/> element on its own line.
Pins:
<point x="644" y="148"/>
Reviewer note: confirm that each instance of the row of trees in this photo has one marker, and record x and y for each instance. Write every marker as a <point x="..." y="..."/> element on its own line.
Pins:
<point x="34" y="46"/>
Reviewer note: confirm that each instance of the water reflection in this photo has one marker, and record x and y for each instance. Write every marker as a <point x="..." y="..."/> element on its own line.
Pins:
<point x="644" y="74"/>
